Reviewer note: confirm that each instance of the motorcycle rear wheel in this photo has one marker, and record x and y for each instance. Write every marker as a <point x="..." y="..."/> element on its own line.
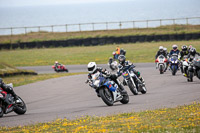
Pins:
<point x="132" y="88"/>
<point x="20" y="109"/>
<point x="106" y="96"/>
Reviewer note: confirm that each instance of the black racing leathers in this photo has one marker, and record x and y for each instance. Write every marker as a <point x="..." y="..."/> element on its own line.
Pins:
<point x="8" y="89"/>
<point x="161" y="53"/>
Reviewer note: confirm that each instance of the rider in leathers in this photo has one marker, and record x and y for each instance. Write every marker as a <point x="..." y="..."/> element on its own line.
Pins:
<point x="124" y="65"/>
<point x="92" y="69"/>
<point x="8" y="89"/>
<point x="184" y="52"/>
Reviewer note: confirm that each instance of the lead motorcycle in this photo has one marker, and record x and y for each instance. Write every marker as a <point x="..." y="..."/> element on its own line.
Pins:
<point x="161" y="63"/>
<point x="60" y="68"/>
<point x="174" y="63"/>
<point x="133" y="82"/>
<point x="8" y="104"/>
<point x="107" y="89"/>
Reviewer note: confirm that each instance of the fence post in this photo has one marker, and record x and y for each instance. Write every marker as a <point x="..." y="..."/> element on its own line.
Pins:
<point x="160" y="22"/>
<point x="187" y="21"/>
<point x="80" y="27"/>
<point x="147" y="24"/>
<point x="66" y="27"/>
<point x="120" y="25"/>
<point x="93" y="26"/>
<point x="39" y="28"/>
<point x="106" y="25"/>
<point x="11" y="31"/>
<point x="174" y="21"/>
<point x="25" y="31"/>
<point x="52" y="28"/>
<point x="133" y="24"/>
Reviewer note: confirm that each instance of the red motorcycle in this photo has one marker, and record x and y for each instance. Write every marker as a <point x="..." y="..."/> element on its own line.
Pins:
<point x="8" y="104"/>
<point x="60" y="68"/>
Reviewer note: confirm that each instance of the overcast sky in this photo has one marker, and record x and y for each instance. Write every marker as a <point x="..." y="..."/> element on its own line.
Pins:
<point x="5" y="3"/>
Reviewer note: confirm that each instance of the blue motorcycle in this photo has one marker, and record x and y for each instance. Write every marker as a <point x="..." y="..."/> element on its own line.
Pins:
<point x="107" y="89"/>
<point x="174" y="63"/>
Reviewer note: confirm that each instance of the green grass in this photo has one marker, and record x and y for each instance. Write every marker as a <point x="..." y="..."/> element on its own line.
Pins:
<point x="45" y="36"/>
<point x="182" y="119"/>
<point x="6" y="69"/>
<point x="27" y="79"/>
<point x="136" y="52"/>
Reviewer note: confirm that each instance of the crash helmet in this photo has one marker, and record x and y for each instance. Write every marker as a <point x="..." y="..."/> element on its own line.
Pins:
<point x="184" y="48"/>
<point x="174" y="47"/>
<point x="121" y="59"/>
<point x="161" y="48"/>
<point x="113" y="53"/>
<point x="165" y="49"/>
<point x="92" y="66"/>
<point x="192" y="51"/>
<point x="56" y="62"/>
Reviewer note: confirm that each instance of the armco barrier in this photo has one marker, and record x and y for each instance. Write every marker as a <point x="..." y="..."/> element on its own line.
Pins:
<point x="102" y="41"/>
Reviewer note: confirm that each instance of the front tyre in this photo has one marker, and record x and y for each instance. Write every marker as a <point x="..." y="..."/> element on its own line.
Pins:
<point x="190" y="77"/>
<point x="161" y="69"/>
<point x="1" y="112"/>
<point x="173" y="70"/>
<point x="132" y="88"/>
<point x="20" y="108"/>
<point x="67" y="70"/>
<point x="106" y="96"/>
<point x="144" y="90"/>
<point x="125" y="99"/>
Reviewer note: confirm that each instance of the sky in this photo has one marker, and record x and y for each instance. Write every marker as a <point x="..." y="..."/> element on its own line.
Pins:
<point x="11" y="3"/>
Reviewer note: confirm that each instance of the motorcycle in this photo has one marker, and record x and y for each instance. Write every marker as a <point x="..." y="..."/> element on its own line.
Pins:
<point x="107" y="89"/>
<point x="194" y="69"/>
<point x="174" y="63"/>
<point x="60" y="68"/>
<point x="8" y="104"/>
<point x="161" y="63"/>
<point x="196" y="64"/>
<point x="113" y="64"/>
<point x="133" y="82"/>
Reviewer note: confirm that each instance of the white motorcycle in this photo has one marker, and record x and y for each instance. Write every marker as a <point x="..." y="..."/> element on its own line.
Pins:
<point x="161" y="63"/>
<point x="113" y="65"/>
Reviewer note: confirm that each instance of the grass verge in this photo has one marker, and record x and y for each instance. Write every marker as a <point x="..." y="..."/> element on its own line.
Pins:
<point x="136" y="52"/>
<point x="8" y="70"/>
<point x="27" y="79"/>
<point x="180" y="119"/>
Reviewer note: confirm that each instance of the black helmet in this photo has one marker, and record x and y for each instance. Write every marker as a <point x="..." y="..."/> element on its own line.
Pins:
<point x="192" y="51"/>
<point x="184" y="48"/>
<point x="122" y="59"/>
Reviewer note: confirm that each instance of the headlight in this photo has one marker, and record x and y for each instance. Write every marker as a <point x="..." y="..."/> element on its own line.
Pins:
<point x="96" y="83"/>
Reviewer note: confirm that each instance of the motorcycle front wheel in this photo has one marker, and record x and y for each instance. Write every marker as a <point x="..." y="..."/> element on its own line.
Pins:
<point x="20" y="108"/>
<point x="106" y="96"/>
<point x="161" y="69"/>
<point x="190" y="76"/>
<point x="1" y="112"/>
<point x="125" y="99"/>
<point x="132" y="88"/>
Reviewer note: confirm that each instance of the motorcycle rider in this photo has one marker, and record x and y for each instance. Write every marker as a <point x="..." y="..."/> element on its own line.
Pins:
<point x="192" y="54"/>
<point x="174" y="50"/>
<point x="124" y="65"/>
<point x="161" y="52"/>
<point x="57" y="64"/>
<point x="117" y="52"/>
<point x="8" y="89"/>
<point x="92" y="69"/>
<point x="184" y="52"/>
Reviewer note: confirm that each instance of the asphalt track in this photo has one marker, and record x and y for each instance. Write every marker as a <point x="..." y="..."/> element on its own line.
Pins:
<point x="69" y="97"/>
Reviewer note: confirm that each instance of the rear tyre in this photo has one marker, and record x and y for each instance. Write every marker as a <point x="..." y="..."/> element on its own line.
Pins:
<point x="106" y="96"/>
<point x="125" y="99"/>
<point x="132" y="88"/>
<point x="20" y="108"/>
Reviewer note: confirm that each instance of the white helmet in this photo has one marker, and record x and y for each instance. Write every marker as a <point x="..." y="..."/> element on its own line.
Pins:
<point x="165" y="49"/>
<point x="161" y="48"/>
<point x="92" y="66"/>
<point x="174" y="46"/>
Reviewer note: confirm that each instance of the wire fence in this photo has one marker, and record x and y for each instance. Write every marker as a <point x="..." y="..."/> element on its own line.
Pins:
<point x="100" y="26"/>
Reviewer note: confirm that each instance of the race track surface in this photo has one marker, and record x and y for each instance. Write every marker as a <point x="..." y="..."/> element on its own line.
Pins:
<point x="69" y="97"/>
